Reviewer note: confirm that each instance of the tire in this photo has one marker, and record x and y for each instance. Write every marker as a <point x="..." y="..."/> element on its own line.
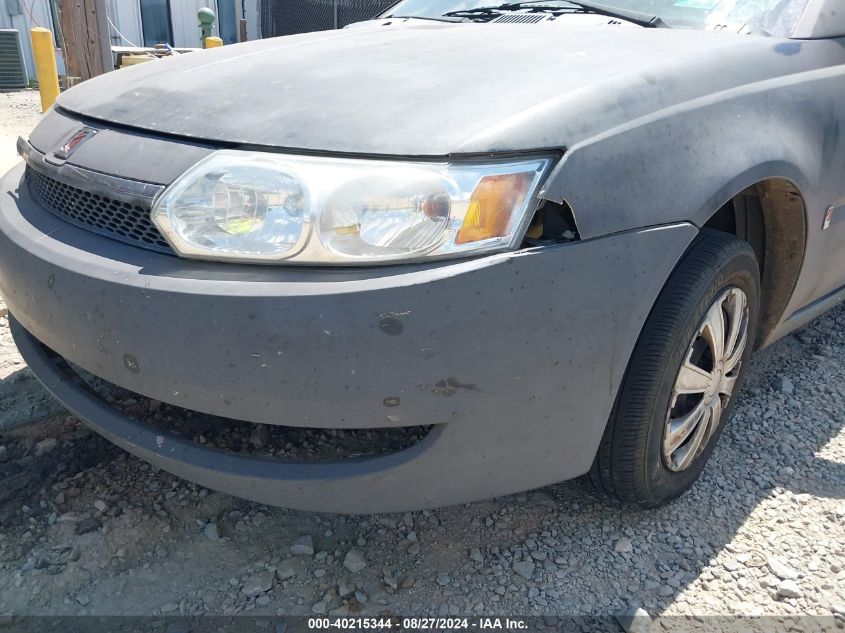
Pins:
<point x="635" y="462"/>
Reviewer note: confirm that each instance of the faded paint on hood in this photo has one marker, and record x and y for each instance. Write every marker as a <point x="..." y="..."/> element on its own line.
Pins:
<point x="429" y="91"/>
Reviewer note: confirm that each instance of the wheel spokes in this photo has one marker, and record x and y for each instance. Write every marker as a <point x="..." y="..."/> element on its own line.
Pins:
<point x="735" y="356"/>
<point x="693" y="379"/>
<point x="685" y="455"/>
<point x="681" y="428"/>
<point x="713" y="330"/>
<point x="736" y="306"/>
<point x="715" y="416"/>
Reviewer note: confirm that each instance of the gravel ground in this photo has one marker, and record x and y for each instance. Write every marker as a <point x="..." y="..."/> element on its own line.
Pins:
<point x="22" y="400"/>
<point x="88" y="529"/>
<point x="20" y="111"/>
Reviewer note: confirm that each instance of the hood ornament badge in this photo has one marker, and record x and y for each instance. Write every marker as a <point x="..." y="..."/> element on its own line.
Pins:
<point x="73" y="143"/>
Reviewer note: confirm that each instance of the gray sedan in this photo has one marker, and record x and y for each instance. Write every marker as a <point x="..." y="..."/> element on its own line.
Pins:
<point x="526" y="241"/>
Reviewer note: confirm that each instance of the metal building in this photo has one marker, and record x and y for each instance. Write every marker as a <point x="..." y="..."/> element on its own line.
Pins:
<point x="135" y="22"/>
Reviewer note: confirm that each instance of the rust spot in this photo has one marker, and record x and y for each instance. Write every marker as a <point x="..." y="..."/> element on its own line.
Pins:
<point x="451" y="385"/>
<point x="391" y="402"/>
<point x="131" y="363"/>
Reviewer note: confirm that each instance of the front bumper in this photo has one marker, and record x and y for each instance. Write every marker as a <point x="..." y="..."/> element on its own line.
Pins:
<point x="515" y="358"/>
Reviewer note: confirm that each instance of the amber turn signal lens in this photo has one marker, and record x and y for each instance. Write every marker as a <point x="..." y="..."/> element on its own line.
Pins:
<point x="492" y="204"/>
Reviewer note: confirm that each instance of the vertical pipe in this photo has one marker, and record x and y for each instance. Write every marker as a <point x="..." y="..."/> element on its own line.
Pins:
<point x="45" y="65"/>
<point x="334" y="7"/>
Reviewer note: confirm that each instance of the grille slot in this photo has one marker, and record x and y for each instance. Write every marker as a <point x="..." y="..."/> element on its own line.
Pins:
<point x="99" y="213"/>
<point x="520" y="18"/>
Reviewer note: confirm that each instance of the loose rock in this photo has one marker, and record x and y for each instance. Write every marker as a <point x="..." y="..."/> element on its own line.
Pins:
<point x="210" y="531"/>
<point x="257" y="584"/>
<point x="303" y="546"/>
<point x="288" y="568"/>
<point x="524" y="568"/>
<point x="782" y="570"/>
<point x="44" y="446"/>
<point x="789" y="589"/>
<point x="354" y="561"/>
<point x="88" y="524"/>
<point x="637" y="621"/>
<point x="407" y="582"/>
<point x="345" y="588"/>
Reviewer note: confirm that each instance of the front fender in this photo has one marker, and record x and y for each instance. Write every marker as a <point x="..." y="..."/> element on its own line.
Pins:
<point x="684" y="162"/>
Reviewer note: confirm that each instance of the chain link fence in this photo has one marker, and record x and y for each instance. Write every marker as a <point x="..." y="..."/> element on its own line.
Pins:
<point x="286" y="17"/>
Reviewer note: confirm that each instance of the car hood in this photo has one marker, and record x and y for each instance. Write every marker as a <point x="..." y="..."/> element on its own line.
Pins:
<point x="425" y="90"/>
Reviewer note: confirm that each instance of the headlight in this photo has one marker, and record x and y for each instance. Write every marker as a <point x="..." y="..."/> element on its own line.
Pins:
<point x="263" y="207"/>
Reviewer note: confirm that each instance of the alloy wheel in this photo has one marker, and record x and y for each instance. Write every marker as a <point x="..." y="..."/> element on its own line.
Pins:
<point x="706" y="380"/>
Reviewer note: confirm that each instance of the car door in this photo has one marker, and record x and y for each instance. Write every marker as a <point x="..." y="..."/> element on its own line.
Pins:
<point x="827" y="217"/>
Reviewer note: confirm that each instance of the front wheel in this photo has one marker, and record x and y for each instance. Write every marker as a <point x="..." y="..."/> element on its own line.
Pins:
<point x="684" y="374"/>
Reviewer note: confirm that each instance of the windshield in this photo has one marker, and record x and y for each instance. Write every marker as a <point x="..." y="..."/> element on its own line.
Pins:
<point x="776" y="17"/>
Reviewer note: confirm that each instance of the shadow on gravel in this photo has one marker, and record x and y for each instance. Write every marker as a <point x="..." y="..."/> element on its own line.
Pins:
<point x="24" y="401"/>
<point x="90" y="529"/>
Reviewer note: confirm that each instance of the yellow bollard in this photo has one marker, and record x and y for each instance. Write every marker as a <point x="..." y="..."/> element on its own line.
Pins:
<point x="212" y="42"/>
<point x="45" y="65"/>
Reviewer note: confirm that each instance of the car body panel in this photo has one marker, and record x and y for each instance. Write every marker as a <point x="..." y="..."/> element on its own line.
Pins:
<point x="821" y="19"/>
<point x="647" y="107"/>
<point x="126" y="154"/>
<point x="515" y="358"/>
<point x="389" y="332"/>
<point x="432" y="91"/>
<point x="789" y="128"/>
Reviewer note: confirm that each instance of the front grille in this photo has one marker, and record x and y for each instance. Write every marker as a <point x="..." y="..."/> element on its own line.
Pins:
<point x="118" y="219"/>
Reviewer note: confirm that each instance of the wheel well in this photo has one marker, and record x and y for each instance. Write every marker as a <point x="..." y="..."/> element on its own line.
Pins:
<point x="771" y="216"/>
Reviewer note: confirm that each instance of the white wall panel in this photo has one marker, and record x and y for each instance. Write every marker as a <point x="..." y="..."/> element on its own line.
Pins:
<point x="126" y="17"/>
<point x="186" y="30"/>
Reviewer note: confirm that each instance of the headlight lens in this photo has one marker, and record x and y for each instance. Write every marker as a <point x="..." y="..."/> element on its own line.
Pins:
<point x="262" y="207"/>
<point x="398" y="213"/>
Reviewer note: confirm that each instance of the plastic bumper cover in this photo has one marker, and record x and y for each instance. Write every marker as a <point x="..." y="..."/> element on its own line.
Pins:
<point x="516" y="357"/>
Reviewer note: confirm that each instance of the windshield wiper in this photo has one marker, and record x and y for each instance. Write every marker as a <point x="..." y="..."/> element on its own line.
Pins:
<point x="443" y="18"/>
<point x="635" y="17"/>
<point x="494" y="12"/>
